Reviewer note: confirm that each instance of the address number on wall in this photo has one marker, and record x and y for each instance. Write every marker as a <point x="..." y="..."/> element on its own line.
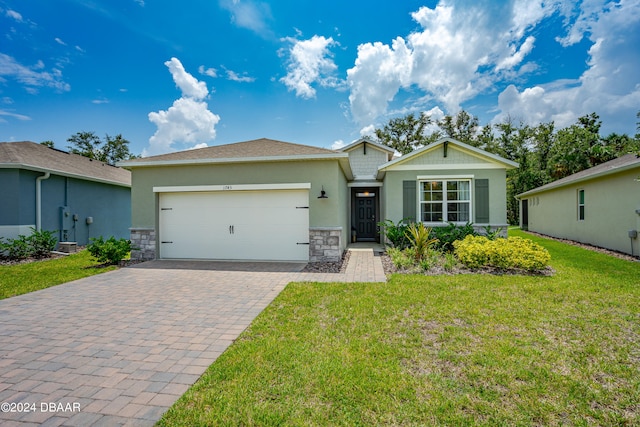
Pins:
<point x="227" y="187"/>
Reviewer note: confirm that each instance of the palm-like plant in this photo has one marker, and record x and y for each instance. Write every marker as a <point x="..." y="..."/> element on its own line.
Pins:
<point x="419" y="239"/>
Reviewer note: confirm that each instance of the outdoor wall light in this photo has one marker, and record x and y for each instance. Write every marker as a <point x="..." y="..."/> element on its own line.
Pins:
<point x="323" y="194"/>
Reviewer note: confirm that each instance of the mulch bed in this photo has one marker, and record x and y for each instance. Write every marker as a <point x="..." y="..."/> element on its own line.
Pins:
<point x="616" y="254"/>
<point x="328" y="267"/>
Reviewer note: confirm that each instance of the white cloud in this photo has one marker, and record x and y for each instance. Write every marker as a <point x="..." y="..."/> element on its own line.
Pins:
<point x="188" y="123"/>
<point x="368" y="131"/>
<point x="14" y="15"/>
<point x="31" y="77"/>
<point x="249" y="14"/>
<point x="611" y="84"/>
<point x="5" y="113"/>
<point x="211" y="72"/>
<point x="310" y="62"/>
<point x="461" y="49"/>
<point x="60" y="42"/>
<point x="233" y="76"/>
<point x="189" y="85"/>
<point x="338" y="144"/>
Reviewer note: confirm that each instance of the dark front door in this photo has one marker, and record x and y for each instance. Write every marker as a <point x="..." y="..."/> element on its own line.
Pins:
<point x="525" y="214"/>
<point x="365" y="218"/>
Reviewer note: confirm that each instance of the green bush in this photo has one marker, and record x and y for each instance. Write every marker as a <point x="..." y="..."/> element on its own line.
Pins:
<point x="110" y="251"/>
<point x="396" y="234"/>
<point x="42" y="243"/>
<point x="514" y="252"/>
<point x="448" y="234"/>
<point x="39" y="244"/>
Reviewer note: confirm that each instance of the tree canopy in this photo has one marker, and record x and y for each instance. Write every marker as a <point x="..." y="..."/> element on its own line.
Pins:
<point x="111" y="150"/>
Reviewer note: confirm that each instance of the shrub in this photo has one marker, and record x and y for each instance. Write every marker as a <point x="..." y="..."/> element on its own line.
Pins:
<point x="110" y="251"/>
<point x="514" y="252"/>
<point x="396" y="234"/>
<point x="42" y="242"/>
<point x="420" y="240"/>
<point x="448" y="234"/>
<point x="38" y="245"/>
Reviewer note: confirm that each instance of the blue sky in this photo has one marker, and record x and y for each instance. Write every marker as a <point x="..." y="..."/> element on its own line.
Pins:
<point x="173" y="75"/>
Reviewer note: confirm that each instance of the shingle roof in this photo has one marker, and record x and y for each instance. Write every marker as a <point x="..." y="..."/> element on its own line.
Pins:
<point x="628" y="161"/>
<point x="248" y="149"/>
<point x="29" y="155"/>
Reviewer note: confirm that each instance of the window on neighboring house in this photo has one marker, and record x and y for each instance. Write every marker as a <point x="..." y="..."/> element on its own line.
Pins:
<point x="445" y="200"/>
<point x="580" y="205"/>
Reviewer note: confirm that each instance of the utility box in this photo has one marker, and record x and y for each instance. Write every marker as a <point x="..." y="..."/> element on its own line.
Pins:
<point x="633" y="234"/>
<point x="65" y="218"/>
<point x="68" y="247"/>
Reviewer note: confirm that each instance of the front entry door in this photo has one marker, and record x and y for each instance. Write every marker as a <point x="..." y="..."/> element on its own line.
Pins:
<point x="365" y="218"/>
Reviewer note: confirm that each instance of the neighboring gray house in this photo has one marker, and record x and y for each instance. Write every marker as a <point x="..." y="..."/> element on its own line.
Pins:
<point x="273" y="200"/>
<point x="599" y="206"/>
<point x="53" y="190"/>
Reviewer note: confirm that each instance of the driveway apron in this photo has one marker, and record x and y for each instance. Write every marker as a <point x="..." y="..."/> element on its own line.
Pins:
<point x="121" y="347"/>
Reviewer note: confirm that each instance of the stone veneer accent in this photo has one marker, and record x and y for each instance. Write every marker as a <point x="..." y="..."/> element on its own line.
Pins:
<point x="144" y="240"/>
<point x="325" y="244"/>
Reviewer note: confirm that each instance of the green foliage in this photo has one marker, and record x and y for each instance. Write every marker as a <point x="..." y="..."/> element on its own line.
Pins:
<point x="420" y="240"/>
<point x="448" y="234"/>
<point x="42" y="242"/>
<point x="405" y="134"/>
<point x="492" y="234"/>
<point x="514" y="252"/>
<point x="396" y="234"/>
<point x="110" y="251"/>
<point x="37" y="245"/>
<point x="110" y="151"/>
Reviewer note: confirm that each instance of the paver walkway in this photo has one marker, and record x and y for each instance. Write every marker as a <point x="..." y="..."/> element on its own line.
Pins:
<point x="121" y="347"/>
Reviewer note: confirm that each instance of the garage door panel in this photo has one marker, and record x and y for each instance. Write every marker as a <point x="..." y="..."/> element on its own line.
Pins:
<point x="269" y="225"/>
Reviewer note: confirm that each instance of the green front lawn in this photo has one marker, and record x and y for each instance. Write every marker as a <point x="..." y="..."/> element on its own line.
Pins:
<point x="23" y="278"/>
<point x="437" y="350"/>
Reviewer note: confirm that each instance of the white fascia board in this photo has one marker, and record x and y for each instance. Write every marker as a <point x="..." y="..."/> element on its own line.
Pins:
<point x="232" y="187"/>
<point x="508" y="164"/>
<point x="374" y="144"/>
<point x="357" y="184"/>
<point x="456" y="167"/>
<point x="443" y="177"/>
<point x="61" y="173"/>
<point x="132" y="163"/>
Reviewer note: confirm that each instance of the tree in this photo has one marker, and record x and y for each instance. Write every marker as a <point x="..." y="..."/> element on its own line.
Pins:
<point x="111" y="151"/>
<point x="463" y="127"/>
<point x="47" y="143"/>
<point x="407" y="133"/>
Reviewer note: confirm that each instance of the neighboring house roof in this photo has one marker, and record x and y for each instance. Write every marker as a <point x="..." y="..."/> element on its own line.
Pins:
<point x="477" y="152"/>
<point x="620" y="164"/>
<point x="40" y="158"/>
<point x="257" y="150"/>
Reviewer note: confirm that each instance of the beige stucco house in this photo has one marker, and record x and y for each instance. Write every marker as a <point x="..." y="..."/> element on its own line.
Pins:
<point x="272" y="200"/>
<point x="598" y="206"/>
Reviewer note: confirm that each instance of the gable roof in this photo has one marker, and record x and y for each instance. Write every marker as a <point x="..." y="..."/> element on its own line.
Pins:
<point x="40" y="158"/>
<point x="361" y="141"/>
<point x="474" y="151"/>
<point x="257" y="150"/>
<point x="620" y="164"/>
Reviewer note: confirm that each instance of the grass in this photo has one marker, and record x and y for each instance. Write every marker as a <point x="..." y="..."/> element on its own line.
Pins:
<point x="23" y="278"/>
<point x="437" y="350"/>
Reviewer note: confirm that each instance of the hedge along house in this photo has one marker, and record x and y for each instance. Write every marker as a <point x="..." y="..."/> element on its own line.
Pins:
<point x="598" y="206"/>
<point x="273" y="200"/>
<point x="48" y="189"/>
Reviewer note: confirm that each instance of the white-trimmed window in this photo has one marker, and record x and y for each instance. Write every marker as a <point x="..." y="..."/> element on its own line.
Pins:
<point x="445" y="200"/>
<point x="580" y="205"/>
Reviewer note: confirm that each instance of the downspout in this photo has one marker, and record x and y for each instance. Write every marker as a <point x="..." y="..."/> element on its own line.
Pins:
<point x="39" y="199"/>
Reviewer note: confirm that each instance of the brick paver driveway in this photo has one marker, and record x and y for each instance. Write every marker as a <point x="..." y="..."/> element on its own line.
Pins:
<point x="121" y="347"/>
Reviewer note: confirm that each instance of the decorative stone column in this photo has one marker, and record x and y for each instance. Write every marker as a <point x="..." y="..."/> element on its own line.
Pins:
<point x="325" y="244"/>
<point x="144" y="242"/>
